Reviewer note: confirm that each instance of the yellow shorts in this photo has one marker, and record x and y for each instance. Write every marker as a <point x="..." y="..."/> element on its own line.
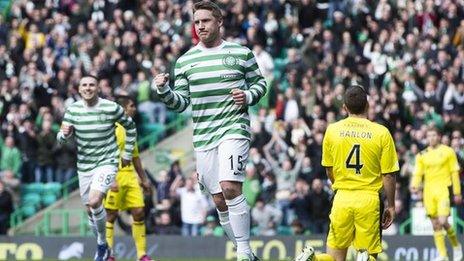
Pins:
<point x="437" y="202"/>
<point x="128" y="194"/>
<point x="355" y="219"/>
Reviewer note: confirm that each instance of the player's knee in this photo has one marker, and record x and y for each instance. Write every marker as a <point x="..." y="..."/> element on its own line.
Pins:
<point x="220" y="202"/>
<point x="111" y="215"/>
<point x="138" y="214"/>
<point x="231" y="190"/>
<point x="94" y="203"/>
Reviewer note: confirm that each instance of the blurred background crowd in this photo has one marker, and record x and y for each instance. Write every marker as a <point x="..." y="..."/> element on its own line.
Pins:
<point x="408" y="54"/>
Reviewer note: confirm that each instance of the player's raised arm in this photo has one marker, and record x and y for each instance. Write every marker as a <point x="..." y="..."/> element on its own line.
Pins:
<point x="254" y="79"/>
<point x="66" y="130"/>
<point x="177" y="99"/>
<point x="131" y="132"/>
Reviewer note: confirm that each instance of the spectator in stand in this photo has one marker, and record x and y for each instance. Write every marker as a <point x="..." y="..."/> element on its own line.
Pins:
<point x="6" y="205"/>
<point x="10" y="159"/>
<point x="319" y="203"/>
<point x="46" y="141"/>
<point x="266" y="217"/>
<point x="193" y="206"/>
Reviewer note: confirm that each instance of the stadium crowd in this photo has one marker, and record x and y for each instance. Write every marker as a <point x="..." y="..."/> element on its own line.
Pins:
<point x="408" y="54"/>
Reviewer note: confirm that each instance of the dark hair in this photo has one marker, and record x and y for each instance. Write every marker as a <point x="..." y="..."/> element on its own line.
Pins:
<point x="91" y="76"/>
<point x="210" y="6"/>
<point x="123" y="100"/>
<point x="356" y="99"/>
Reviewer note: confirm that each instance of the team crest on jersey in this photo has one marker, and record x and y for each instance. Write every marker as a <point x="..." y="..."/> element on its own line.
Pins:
<point x="229" y="61"/>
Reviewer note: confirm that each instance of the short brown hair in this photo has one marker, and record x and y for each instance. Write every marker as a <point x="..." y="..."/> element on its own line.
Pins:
<point x="356" y="99"/>
<point x="210" y="6"/>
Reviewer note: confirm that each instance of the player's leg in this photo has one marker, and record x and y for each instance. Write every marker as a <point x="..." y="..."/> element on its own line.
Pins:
<point x="111" y="216"/>
<point x="101" y="182"/>
<point x="85" y="179"/>
<point x="368" y="230"/>
<point x="439" y="239"/>
<point x="223" y="213"/>
<point x="134" y="202"/>
<point x="208" y="179"/>
<point x="443" y="212"/>
<point x="431" y="204"/>
<point x="233" y="155"/>
<point x="112" y="202"/>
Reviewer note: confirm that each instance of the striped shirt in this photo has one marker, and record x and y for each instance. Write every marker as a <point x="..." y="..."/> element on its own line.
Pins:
<point x="205" y="78"/>
<point x="94" y="128"/>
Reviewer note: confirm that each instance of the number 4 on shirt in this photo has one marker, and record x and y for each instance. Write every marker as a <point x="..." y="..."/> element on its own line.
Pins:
<point x="356" y="152"/>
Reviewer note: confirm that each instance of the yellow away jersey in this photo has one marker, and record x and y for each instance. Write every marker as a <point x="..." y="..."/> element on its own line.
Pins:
<point x="439" y="167"/>
<point x="121" y="140"/>
<point x="359" y="152"/>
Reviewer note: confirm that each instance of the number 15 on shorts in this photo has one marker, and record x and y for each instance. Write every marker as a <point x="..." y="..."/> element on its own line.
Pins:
<point x="236" y="164"/>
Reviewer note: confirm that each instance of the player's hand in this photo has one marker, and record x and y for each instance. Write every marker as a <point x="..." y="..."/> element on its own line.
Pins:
<point x="388" y="217"/>
<point x="160" y="80"/>
<point x="114" y="186"/>
<point x="238" y="96"/>
<point x="66" y="129"/>
<point x="457" y="199"/>
<point x="125" y="162"/>
<point x="146" y="187"/>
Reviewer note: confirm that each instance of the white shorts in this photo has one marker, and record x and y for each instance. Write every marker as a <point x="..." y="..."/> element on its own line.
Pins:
<point x="99" y="179"/>
<point x="227" y="161"/>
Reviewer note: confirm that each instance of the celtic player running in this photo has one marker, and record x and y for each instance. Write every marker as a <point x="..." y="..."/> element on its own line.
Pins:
<point x="92" y="122"/>
<point x="220" y="79"/>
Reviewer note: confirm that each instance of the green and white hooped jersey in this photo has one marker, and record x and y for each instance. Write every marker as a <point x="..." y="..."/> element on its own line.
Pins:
<point x="205" y="78"/>
<point x="94" y="129"/>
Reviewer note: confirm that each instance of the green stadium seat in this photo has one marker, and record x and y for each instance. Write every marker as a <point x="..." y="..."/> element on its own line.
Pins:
<point x="33" y="188"/>
<point x="52" y="188"/>
<point x="31" y="199"/>
<point x="28" y="210"/>
<point x="48" y="199"/>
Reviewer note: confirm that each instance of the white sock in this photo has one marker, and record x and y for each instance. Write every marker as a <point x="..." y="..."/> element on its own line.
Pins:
<point x="99" y="218"/>
<point x="239" y="216"/>
<point x="92" y="225"/>
<point x="225" y="223"/>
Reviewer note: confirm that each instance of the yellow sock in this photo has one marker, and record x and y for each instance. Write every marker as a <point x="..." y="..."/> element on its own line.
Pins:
<point x="324" y="257"/>
<point x="452" y="237"/>
<point x="439" y="238"/>
<point x="110" y="234"/>
<point x="138" y="233"/>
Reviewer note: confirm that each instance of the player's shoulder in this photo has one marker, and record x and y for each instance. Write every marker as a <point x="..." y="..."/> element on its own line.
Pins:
<point x="236" y="49"/>
<point x="446" y="149"/>
<point x="105" y="103"/>
<point x="189" y="54"/>
<point x="75" y="106"/>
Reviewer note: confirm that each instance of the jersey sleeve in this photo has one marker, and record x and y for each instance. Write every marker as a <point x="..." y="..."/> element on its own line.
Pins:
<point x="179" y="98"/>
<point x="453" y="166"/>
<point x="254" y="79"/>
<point x="418" y="172"/>
<point x="131" y="132"/>
<point x="389" y="158"/>
<point x="67" y="120"/>
<point x="327" y="157"/>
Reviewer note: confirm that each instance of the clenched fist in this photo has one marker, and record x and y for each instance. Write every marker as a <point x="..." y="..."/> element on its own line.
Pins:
<point x="160" y="80"/>
<point x="238" y="96"/>
<point x="67" y="129"/>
